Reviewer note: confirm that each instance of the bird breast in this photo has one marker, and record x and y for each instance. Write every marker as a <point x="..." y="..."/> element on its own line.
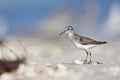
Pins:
<point x="83" y="47"/>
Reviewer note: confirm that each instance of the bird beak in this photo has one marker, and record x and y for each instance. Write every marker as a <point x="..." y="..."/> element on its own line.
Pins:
<point x="62" y="32"/>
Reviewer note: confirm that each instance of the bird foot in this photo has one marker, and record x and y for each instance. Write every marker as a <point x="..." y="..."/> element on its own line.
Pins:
<point x="86" y="62"/>
<point x="90" y="62"/>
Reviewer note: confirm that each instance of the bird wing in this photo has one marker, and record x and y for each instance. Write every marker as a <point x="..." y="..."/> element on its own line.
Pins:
<point x="85" y="40"/>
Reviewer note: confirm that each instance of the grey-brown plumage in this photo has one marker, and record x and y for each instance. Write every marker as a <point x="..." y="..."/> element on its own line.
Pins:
<point x="87" y="41"/>
<point x="83" y="43"/>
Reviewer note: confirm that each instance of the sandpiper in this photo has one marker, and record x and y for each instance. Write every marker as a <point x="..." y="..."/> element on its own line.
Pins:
<point x="83" y="43"/>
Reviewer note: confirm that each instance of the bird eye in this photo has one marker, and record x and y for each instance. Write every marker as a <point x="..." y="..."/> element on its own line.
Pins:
<point x="68" y="29"/>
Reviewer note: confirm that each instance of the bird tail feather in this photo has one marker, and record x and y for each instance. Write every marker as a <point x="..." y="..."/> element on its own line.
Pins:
<point x="104" y="42"/>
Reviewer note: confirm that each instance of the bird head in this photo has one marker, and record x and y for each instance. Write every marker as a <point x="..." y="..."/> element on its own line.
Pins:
<point x="67" y="29"/>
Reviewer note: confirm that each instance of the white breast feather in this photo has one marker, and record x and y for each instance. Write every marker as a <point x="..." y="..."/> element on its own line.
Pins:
<point x="86" y="47"/>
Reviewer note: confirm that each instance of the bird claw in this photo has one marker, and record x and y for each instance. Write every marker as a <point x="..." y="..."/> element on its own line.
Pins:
<point x="85" y="61"/>
<point x="90" y="62"/>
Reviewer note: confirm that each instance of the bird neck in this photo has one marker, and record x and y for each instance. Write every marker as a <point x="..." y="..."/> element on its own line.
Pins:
<point x="71" y="34"/>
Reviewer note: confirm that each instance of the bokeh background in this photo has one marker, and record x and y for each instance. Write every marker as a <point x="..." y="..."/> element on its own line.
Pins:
<point x="37" y="23"/>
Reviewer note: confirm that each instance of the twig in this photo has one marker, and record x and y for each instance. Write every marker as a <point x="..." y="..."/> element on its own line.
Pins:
<point x="11" y="51"/>
<point x="23" y="47"/>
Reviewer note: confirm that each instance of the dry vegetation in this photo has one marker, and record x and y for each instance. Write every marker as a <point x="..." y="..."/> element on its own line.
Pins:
<point x="11" y="65"/>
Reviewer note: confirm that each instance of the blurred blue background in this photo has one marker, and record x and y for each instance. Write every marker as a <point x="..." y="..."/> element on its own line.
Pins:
<point x="19" y="16"/>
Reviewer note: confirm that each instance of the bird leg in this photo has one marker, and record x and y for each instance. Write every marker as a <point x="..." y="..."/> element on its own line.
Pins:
<point x="85" y="61"/>
<point x="90" y="61"/>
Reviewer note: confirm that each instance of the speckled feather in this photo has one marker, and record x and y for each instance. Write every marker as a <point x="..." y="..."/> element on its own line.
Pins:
<point x="86" y="41"/>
